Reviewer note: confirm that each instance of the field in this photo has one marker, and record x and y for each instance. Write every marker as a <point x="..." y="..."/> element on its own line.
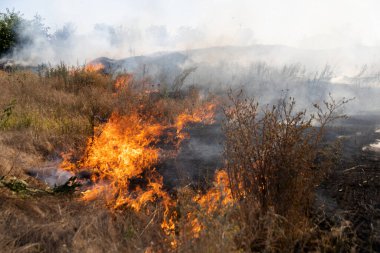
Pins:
<point x="93" y="162"/>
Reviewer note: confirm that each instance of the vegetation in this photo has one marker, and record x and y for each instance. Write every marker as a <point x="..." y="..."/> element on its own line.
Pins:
<point x="275" y="157"/>
<point x="10" y="21"/>
<point x="16" y="32"/>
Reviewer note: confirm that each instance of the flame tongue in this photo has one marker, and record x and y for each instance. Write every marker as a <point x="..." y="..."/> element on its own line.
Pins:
<point x="94" y="67"/>
<point x="123" y="81"/>
<point x="122" y="151"/>
<point x="125" y="149"/>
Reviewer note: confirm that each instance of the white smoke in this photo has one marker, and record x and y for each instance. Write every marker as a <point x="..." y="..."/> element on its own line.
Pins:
<point x="68" y="45"/>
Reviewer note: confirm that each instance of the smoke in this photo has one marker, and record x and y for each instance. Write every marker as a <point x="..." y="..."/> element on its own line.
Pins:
<point x="265" y="71"/>
<point x="226" y="52"/>
<point x="119" y="29"/>
<point x="66" y="44"/>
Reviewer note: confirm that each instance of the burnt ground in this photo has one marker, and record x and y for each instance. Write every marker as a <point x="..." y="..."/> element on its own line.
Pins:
<point x="197" y="158"/>
<point x="352" y="191"/>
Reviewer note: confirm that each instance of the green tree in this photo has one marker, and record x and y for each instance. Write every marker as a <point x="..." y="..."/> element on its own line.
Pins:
<point x="10" y="21"/>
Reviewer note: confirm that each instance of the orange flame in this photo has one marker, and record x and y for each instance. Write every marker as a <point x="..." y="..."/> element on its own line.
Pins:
<point x="218" y="196"/>
<point x="205" y="114"/>
<point x="94" y="67"/>
<point x="216" y="199"/>
<point x="123" y="81"/>
<point x="123" y="151"/>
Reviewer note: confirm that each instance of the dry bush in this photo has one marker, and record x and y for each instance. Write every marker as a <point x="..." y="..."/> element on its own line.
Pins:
<point x="275" y="158"/>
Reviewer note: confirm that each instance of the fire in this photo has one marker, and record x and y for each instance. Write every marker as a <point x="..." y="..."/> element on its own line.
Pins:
<point x="123" y="81"/>
<point x="122" y="151"/>
<point x="122" y="156"/>
<point x="216" y="199"/>
<point x="94" y="67"/>
<point x="205" y="114"/>
<point x="218" y="196"/>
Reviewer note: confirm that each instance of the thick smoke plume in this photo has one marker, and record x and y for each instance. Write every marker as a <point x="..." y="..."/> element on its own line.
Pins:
<point x="265" y="71"/>
<point x="40" y="44"/>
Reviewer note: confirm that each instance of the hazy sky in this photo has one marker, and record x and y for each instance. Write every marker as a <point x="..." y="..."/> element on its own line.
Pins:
<point x="300" y="23"/>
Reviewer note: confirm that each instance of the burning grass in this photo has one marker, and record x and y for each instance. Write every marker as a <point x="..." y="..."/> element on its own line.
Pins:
<point x="116" y="130"/>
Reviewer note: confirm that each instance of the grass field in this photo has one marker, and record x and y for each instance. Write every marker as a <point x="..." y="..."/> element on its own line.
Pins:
<point x="261" y="201"/>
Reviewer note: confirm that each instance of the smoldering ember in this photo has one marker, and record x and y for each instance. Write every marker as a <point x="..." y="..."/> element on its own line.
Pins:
<point x="189" y="126"/>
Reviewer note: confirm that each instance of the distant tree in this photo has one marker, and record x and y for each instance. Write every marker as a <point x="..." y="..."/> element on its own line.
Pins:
<point x="16" y="32"/>
<point x="10" y="22"/>
<point x="64" y="33"/>
<point x="31" y="30"/>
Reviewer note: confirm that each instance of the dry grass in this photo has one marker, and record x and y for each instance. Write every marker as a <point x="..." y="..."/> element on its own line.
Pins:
<point x="42" y="115"/>
<point x="275" y="159"/>
<point x="64" y="224"/>
<point x="271" y="159"/>
<point x="55" y="112"/>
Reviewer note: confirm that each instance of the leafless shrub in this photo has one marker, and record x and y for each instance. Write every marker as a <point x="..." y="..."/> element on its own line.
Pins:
<point x="275" y="158"/>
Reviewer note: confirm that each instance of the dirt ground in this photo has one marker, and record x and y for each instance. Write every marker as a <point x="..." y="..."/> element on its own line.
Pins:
<point x="352" y="191"/>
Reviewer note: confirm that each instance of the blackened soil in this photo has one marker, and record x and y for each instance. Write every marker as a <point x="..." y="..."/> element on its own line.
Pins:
<point x="197" y="158"/>
<point x="352" y="191"/>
